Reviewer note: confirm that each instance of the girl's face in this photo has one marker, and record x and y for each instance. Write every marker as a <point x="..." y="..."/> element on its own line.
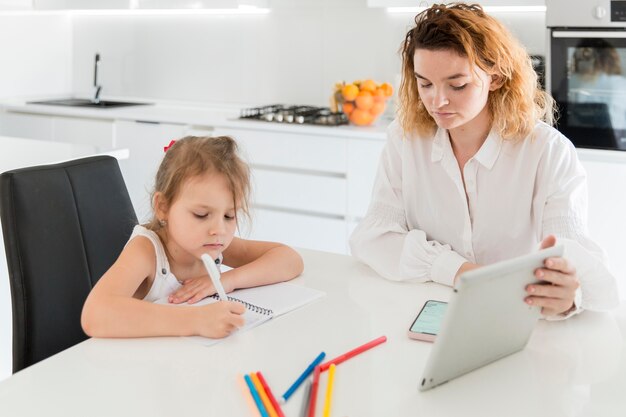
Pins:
<point x="201" y="219"/>
<point x="452" y="94"/>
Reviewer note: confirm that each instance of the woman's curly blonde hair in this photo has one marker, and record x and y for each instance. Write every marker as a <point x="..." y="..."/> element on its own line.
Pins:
<point x="515" y="107"/>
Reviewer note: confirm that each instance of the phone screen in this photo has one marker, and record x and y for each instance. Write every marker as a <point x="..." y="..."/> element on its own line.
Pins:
<point x="429" y="319"/>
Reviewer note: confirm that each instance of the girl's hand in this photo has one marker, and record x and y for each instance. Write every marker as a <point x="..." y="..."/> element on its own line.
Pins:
<point x="193" y="290"/>
<point x="219" y="319"/>
<point x="556" y="294"/>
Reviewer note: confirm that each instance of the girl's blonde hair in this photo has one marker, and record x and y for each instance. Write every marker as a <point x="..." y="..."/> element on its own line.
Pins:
<point x="196" y="155"/>
<point x="515" y="106"/>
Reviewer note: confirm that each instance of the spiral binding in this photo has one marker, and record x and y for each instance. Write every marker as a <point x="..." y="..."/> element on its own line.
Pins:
<point x="252" y="307"/>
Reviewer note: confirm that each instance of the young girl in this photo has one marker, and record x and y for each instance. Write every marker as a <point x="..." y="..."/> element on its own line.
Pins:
<point x="201" y="188"/>
<point x="473" y="174"/>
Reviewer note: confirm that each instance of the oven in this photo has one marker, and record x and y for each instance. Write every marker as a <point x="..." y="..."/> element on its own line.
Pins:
<point x="586" y="70"/>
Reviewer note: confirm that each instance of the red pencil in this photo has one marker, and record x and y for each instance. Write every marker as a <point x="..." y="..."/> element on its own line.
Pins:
<point x="313" y="395"/>
<point x="353" y="352"/>
<point x="270" y="395"/>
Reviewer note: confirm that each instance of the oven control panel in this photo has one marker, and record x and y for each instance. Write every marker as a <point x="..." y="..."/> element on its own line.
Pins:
<point x="618" y="11"/>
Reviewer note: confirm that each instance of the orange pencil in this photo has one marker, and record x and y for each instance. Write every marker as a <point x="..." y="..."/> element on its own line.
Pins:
<point x="266" y="387"/>
<point x="254" y="411"/>
<point x="266" y="401"/>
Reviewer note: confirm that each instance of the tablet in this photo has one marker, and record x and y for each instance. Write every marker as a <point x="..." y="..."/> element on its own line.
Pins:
<point x="487" y="318"/>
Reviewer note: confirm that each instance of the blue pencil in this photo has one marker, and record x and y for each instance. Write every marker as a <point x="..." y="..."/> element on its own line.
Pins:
<point x="255" y="395"/>
<point x="301" y="378"/>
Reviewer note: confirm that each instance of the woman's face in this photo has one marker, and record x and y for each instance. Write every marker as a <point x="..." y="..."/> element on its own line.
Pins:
<point x="452" y="94"/>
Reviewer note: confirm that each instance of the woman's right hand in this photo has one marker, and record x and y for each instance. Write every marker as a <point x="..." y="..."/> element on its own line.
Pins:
<point x="467" y="266"/>
<point x="219" y="319"/>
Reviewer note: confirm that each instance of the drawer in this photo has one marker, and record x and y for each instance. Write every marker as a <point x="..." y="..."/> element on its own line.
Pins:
<point x="289" y="150"/>
<point x="364" y="157"/>
<point x="302" y="192"/>
<point x="97" y="133"/>
<point x="298" y="230"/>
<point x="26" y="126"/>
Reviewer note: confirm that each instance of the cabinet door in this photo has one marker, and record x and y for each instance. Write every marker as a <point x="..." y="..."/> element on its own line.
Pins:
<point x="93" y="132"/>
<point x="145" y="142"/>
<point x="363" y="159"/>
<point x="30" y="126"/>
<point x="297" y="230"/>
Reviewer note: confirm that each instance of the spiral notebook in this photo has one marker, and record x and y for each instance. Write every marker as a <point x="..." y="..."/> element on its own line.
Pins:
<point x="262" y="303"/>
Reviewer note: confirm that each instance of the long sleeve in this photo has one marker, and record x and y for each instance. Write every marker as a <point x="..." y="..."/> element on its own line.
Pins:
<point x="383" y="241"/>
<point x="565" y="216"/>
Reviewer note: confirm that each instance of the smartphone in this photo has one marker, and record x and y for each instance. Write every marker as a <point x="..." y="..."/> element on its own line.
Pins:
<point x="426" y="325"/>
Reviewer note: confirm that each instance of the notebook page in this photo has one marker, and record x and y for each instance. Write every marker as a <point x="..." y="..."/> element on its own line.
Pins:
<point x="281" y="298"/>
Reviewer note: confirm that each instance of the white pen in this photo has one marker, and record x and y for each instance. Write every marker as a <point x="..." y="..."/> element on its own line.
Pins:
<point x="214" y="273"/>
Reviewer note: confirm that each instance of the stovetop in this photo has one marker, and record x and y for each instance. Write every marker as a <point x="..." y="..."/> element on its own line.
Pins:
<point x="279" y="113"/>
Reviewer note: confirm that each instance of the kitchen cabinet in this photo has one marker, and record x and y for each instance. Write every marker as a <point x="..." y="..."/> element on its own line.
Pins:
<point x="83" y="131"/>
<point x="308" y="189"/>
<point x="145" y="142"/>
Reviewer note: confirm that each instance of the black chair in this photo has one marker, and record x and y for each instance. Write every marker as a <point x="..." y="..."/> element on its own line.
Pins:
<point x="64" y="225"/>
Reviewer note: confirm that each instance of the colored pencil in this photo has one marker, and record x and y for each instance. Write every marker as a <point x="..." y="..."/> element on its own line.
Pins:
<point x="342" y="358"/>
<point x="329" y="390"/>
<point x="270" y="395"/>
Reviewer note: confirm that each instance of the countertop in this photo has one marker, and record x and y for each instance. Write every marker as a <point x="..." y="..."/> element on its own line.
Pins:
<point x="196" y="114"/>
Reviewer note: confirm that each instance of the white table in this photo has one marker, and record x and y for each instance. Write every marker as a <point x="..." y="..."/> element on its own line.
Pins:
<point x="571" y="368"/>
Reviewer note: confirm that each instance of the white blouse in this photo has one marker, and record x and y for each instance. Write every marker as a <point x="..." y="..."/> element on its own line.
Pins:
<point x="421" y="226"/>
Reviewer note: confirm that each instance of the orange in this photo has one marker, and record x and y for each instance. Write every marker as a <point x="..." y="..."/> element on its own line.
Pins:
<point x="349" y="92"/>
<point x="368" y="85"/>
<point x="361" y="117"/>
<point x="379" y="95"/>
<point x="378" y="108"/>
<point x="387" y="88"/>
<point x="364" y="100"/>
<point x="347" y="107"/>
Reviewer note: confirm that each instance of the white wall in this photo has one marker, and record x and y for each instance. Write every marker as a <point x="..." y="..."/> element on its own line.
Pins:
<point x="294" y="54"/>
<point x="35" y="59"/>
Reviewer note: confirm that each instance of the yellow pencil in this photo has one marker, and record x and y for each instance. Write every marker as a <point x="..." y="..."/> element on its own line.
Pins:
<point x="266" y="400"/>
<point x="254" y="411"/>
<point x="329" y="390"/>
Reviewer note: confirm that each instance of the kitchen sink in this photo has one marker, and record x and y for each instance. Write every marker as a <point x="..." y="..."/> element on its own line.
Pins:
<point x="82" y="102"/>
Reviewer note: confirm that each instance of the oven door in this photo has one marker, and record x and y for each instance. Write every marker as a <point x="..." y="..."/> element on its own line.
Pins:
<point x="587" y="78"/>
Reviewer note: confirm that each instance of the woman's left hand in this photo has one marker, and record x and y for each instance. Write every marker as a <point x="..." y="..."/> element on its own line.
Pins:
<point x="555" y="294"/>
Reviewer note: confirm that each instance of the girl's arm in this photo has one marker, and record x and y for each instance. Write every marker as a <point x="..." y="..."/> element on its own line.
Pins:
<point x="111" y="310"/>
<point x="257" y="263"/>
<point x="254" y="263"/>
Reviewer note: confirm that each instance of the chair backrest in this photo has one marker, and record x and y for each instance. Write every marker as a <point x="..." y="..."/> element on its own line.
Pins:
<point x="64" y="225"/>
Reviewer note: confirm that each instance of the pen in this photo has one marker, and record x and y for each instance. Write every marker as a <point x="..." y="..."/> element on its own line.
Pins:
<point x="255" y="395"/>
<point x="301" y="378"/>
<point x="313" y="394"/>
<point x="306" y="399"/>
<point x="254" y="411"/>
<point x="214" y="273"/>
<point x="266" y="401"/>
<point x="266" y="387"/>
<point x="353" y="352"/>
<point x="329" y="390"/>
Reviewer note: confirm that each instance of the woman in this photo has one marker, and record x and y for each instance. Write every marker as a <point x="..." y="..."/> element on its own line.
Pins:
<point x="472" y="173"/>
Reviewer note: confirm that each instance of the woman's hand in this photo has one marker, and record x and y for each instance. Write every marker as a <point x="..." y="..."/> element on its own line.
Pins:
<point x="555" y="295"/>
<point x="219" y="319"/>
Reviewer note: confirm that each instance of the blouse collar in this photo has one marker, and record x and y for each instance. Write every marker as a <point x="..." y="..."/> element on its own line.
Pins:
<point x="486" y="155"/>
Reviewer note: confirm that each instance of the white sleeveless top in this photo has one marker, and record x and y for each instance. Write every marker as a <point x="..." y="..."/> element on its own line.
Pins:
<point x="164" y="282"/>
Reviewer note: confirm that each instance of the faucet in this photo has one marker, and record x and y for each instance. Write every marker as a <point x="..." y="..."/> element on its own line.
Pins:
<point x="96" y="98"/>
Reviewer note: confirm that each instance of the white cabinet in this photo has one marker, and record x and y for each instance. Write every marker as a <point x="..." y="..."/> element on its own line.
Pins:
<point x="308" y="190"/>
<point x="145" y="142"/>
<point x="82" y="131"/>
<point x="488" y="3"/>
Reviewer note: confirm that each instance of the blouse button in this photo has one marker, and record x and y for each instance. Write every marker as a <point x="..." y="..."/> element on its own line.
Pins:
<point x="164" y="271"/>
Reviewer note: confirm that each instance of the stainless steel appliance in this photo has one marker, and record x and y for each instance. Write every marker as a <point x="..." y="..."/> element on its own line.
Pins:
<point x="280" y="113"/>
<point x="586" y="70"/>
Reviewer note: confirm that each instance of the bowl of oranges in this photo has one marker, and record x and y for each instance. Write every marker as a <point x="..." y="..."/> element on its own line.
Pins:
<point x="361" y="101"/>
